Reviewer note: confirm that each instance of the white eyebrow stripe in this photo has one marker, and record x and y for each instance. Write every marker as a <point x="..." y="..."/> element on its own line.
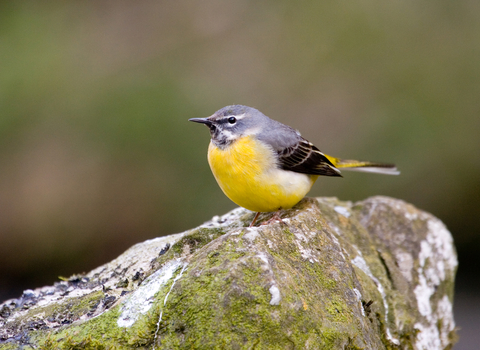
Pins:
<point x="240" y="116"/>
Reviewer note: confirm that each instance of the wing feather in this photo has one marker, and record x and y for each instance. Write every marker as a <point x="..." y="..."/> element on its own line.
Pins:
<point x="304" y="157"/>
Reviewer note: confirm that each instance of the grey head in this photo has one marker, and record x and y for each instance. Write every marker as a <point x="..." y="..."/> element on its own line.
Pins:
<point x="233" y="122"/>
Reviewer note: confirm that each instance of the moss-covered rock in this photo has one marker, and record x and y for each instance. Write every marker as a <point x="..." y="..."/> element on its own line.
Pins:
<point x="377" y="274"/>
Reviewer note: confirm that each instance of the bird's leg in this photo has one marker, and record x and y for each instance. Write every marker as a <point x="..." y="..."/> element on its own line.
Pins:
<point x="254" y="219"/>
<point x="276" y="217"/>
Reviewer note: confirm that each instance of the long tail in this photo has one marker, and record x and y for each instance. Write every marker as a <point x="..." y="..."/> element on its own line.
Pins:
<point x="369" y="167"/>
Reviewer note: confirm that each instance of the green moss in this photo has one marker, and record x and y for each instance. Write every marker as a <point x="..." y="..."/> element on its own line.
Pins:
<point x="68" y="311"/>
<point x="69" y="343"/>
<point x="103" y="332"/>
<point x="332" y="338"/>
<point x="12" y="346"/>
<point x="83" y="305"/>
<point x="99" y="330"/>
<point x="245" y="308"/>
<point x="242" y="313"/>
<point x="336" y="308"/>
<point x="196" y="240"/>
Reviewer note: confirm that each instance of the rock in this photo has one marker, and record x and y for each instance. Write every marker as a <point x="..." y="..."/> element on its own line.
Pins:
<point x="377" y="274"/>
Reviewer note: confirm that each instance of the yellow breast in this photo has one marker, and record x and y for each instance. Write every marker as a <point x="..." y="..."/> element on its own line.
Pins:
<point x="247" y="173"/>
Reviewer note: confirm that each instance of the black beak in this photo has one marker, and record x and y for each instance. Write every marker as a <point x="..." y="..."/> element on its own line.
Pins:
<point x="205" y="121"/>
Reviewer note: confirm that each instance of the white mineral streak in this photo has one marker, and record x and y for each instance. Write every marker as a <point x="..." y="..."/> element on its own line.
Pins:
<point x="264" y="258"/>
<point x="359" y="298"/>
<point x="230" y="218"/>
<point x="411" y="216"/>
<point x="252" y="233"/>
<point x="342" y="211"/>
<point x="276" y="297"/>
<point x="165" y="302"/>
<point x="360" y="262"/>
<point x="306" y="252"/>
<point x="340" y="248"/>
<point x="405" y="264"/>
<point x="142" y="299"/>
<point x="437" y="261"/>
<point x="136" y="258"/>
<point x="274" y="291"/>
<point x="445" y="313"/>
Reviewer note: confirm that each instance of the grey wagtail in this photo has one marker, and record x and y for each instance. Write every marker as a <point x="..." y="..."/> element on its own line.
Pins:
<point x="264" y="165"/>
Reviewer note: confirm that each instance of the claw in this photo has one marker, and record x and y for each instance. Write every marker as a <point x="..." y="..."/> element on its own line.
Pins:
<point x="275" y="217"/>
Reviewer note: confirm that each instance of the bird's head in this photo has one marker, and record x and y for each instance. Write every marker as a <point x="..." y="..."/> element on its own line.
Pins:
<point x="232" y="122"/>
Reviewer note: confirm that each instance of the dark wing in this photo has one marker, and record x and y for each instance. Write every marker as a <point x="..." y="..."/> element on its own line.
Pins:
<point x="304" y="157"/>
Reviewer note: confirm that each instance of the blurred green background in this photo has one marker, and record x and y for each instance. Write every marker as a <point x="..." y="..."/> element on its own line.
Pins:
<point x="96" y="153"/>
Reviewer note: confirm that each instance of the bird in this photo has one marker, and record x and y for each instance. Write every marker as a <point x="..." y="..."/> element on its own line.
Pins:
<point x="266" y="166"/>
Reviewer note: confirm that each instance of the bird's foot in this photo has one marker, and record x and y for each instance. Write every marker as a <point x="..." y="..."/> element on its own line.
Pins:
<point x="276" y="217"/>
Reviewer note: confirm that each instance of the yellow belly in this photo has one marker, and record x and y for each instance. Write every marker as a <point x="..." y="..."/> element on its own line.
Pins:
<point x="246" y="172"/>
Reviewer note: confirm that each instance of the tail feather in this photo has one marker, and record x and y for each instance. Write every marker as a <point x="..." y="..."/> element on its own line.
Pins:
<point x="369" y="167"/>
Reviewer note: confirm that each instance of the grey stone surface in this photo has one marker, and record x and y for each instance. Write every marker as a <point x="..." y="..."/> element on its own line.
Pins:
<point x="377" y="274"/>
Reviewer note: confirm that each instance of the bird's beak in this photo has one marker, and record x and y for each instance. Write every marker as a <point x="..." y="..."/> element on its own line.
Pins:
<point x="205" y="121"/>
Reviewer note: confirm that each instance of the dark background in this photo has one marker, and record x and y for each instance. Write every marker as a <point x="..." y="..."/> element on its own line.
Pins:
<point x="96" y="153"/>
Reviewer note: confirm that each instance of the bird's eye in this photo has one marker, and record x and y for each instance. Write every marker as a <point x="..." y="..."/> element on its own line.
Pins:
<point x="232" y="120"/>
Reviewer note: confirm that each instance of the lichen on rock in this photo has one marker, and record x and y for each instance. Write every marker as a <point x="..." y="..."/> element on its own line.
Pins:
<point x="377" y="274"/>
